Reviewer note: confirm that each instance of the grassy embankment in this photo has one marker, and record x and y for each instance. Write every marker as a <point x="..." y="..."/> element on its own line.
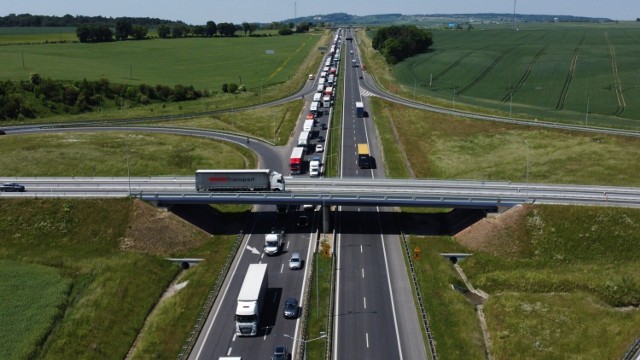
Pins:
<point x="205" y="63"/>
<point x="556" y="296"/>
<point x="103" y="261"/>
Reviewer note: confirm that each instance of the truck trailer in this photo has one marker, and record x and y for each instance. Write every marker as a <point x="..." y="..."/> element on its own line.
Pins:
<point x="308" y="124"/>
<point x="296" y="159"/>
<point x="359" y="109"/>
<point x="239" y="180"/>
<point x="303" y="139"/>
<point x="364" y="158"/>
<point x="251" y="299"/>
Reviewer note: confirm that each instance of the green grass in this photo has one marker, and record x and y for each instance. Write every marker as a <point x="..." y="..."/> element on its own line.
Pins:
<point x="318" y="319"/>
<point x="444" y="147"/>
<point x="484" y="67"/>
<point x="32" y="297"/>
<point x="205" y="63"/>
<point x="452" y="318"/>
<point x="562" y="283"/>
<point x="105" y="154"/>
<point x="394" y="162"/>
<point x="274" y="124"/>
<point x="36" y="35"/>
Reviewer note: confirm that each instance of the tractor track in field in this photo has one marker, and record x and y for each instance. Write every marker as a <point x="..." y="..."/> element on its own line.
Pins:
<point x="569" y="78"/>
<point x="617" y="84"/>
<point x="415" y="64"/>
<point x="526" y="74"/>
<point x="451" y="66"/>
<point x="486" y="72"/>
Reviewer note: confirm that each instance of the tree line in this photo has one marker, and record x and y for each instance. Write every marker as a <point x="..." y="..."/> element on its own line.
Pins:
<point x="38" y="96"/>
<point x="28" y="20"/>
<point x="397" y="43"/>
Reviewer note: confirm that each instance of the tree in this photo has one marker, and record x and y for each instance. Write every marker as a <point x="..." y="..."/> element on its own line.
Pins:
<point x="164" y="31"/>
<point x="199" y="30"/>
<point x="177" y="31"/>
<point x="35" y="78"/>
<point x="226" y="29"/>
<point x="139" y="32"/>
<point x="123" y="28"/>
<point x="252" y="28"/>
<point x="285" y="31"/>
<point x="246" y="27"/>
<point x="397" y="43"/>
<point x="211" y="28"/>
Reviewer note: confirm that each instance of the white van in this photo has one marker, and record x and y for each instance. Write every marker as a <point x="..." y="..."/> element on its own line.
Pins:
<point x="320" y="88"/>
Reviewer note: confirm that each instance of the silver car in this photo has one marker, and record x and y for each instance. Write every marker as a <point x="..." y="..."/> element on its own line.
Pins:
<point x="294" y="262"/>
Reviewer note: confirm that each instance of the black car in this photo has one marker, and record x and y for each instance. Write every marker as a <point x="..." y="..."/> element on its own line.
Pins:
<point x="280" y="353"/>
<point x="320" y="138"/>
<point x="12" y="187"/>
<point x="303" y="221"/>
<point x="290" y="308"/>
<point x="324" y="126"/>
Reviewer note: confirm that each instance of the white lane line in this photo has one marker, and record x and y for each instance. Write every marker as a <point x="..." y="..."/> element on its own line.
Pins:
<point x="363" y="273"/>
<point x="229" y="351"/>
<point x="365" y="302"/>
<point x="234" y="337"/>
<point x="281" y="268"/>
<point x="366" y="335"/>
<point x="360" y="248"/>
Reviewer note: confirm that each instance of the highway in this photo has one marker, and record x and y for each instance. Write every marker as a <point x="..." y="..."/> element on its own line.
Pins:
<point x="375" y="317"/>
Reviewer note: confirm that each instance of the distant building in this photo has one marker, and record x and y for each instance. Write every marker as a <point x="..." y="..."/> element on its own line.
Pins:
<point x="452" y="25"/>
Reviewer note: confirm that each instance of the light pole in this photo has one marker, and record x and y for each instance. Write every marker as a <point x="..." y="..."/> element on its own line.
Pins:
<point x="526" y="142"/>
<point x="304" y="356"/>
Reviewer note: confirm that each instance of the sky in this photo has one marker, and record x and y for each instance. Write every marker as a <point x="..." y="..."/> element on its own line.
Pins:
<point x="197" y="12"/>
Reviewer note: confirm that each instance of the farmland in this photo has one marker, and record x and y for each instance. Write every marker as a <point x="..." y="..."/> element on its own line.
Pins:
<point x="205" y="63"/>
<point x="553" y="72"/>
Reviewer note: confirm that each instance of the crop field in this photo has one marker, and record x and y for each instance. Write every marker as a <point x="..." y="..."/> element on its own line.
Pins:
<point x="205" y="63"/>
<point x="552" y="72"/>
<point x="32" y="296"/>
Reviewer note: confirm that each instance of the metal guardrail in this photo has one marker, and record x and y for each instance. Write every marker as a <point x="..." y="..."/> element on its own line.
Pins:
<point x="423" y="311"/>
<point x="211" y="298"/>
<point x="633" y="352"/>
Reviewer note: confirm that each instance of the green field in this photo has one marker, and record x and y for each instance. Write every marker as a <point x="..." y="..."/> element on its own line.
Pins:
<point x="548" y="72"/>
<point x="205" y="63"/>
<point x="32" y="297"/>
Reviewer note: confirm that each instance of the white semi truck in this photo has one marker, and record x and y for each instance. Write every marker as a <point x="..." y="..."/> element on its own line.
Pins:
<point x="239" y="180"/>
<point x="251" y="299"/>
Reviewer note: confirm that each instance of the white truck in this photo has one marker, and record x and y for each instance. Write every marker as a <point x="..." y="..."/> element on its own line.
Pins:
<point x="239" y="180"/>
<point x="308" y="125"/>
<point x="314" y="107"/>
<point x="314" y="166"/>
<point x="273" y="242"/>
<point x="326" y="101"/>
<point x="303" y="139"/>
<point x="317" y="96"/>
<point x="250" y="300"/>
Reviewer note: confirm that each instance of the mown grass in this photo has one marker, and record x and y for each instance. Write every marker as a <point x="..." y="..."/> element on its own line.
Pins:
<point x="452" y="318"/>
<point x="36" y="35"/>
<point x="109" y="291"/>
<point x="274" y="124"/>
<point x="107" y="154"/>
<point x="445" y="147"/>
<point x="394" y="161"/>
<point x="562" y="284"/>
<point x="318" y="319"/>
<point x="33" y="297"/>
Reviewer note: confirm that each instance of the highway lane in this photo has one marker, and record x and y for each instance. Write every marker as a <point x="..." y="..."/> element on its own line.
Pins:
<point x="217" y="337"/>
<point x="366" y="323"/>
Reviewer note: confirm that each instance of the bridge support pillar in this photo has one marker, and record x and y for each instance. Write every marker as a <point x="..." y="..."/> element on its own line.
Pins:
<point x="325" y="219"/>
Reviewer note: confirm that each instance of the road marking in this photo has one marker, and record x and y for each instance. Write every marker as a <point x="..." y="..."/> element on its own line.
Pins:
<point x="281" y="268"/>
<point x="361" y="249"/>
<point x="261" y="256"/>
<point x="365" y="302"/>
<point x="229" y="351"/>
<point x="253" y="250"/>
<point x="362" y="268"/>
<point x="366" y="335"/>
<point x="234" y="337"/>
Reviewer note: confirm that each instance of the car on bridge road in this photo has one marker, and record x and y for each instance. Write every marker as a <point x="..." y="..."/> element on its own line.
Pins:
<point x="12" y="187"/>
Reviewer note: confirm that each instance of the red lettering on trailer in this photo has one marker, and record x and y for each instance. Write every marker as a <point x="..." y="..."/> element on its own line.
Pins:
<point x="218" y="179"/>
